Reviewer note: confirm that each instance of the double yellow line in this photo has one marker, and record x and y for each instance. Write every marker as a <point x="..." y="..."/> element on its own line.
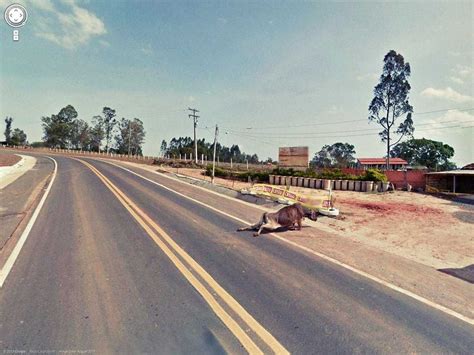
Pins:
<point x="172" y="251"/>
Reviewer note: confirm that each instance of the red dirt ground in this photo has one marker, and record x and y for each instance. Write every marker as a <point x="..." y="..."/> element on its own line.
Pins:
<point x="9" y="159"/>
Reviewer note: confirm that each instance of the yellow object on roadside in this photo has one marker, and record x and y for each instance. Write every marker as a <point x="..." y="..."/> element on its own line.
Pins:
<point x="323" y="204"/>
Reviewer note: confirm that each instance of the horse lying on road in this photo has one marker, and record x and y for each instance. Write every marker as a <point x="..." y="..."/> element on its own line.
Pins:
<point x="289" y="217"/>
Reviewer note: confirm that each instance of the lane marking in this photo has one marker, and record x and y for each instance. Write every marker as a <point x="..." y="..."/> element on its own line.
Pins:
<point x="19" y="245"/>
<point x="146" y="222"/>
<point x="322" y="256"/>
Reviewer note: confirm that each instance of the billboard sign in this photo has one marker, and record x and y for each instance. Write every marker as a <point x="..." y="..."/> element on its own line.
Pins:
<point x="293" y="157"/>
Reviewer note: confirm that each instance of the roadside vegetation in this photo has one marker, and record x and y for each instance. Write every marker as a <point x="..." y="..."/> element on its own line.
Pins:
<point x="263" y="175"/>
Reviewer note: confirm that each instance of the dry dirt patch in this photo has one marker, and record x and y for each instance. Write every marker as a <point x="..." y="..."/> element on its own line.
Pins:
<point x="423" y="228"/>
<point x="9" y="159"/>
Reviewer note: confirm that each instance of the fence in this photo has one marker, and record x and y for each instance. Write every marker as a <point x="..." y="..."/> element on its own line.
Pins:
<point x="203" y="162"/>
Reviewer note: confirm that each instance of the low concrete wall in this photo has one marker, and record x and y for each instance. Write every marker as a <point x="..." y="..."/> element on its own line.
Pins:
<point x="345" y="185"/>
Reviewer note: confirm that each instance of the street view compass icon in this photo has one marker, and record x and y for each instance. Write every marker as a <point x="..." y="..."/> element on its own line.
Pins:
<point x="16" y="16"/>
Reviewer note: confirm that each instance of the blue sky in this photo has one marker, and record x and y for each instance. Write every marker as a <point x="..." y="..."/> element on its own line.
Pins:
<point x="270" y="73"/>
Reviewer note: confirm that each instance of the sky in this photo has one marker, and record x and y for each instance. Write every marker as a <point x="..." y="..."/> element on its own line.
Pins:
<point x="268" y="73"/>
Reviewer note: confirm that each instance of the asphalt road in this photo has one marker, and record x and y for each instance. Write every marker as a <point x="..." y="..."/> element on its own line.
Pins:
<point x="98" y="274"/>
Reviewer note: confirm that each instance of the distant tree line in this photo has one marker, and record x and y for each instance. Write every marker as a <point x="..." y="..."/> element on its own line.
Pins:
<point x="14" y="136"/>
<point x="185" y="145"/>
<point x="105" y="133"/>
<point x="417" y="152"/>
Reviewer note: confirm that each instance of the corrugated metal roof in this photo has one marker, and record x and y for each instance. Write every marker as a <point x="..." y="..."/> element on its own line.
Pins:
<point x="453" y="172"/>
<point x="381" y="161"/>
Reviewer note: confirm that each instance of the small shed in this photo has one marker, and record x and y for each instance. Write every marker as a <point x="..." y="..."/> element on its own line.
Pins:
<point x="456" y="181"/>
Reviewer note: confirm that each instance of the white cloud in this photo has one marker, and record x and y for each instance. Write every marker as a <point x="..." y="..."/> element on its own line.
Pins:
<point x="453" y="117"/>
<point x="456" y="80"/>
<point x="463" y="70"/>
<point x="69" y="29"/>
<point x="447" y="94"/>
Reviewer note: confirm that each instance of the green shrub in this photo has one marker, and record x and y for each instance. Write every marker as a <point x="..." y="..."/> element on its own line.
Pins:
<point x="373" y="175"/>
<point x="260" y="176"/>
<point x="335" y="174"/>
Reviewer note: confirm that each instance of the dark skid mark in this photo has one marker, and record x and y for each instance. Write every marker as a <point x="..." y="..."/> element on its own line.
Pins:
<point x="213" y="342"/>
<point x="465" y="273"/>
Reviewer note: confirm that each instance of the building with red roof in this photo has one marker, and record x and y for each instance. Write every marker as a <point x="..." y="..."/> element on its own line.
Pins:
<point x="381" y="163"/>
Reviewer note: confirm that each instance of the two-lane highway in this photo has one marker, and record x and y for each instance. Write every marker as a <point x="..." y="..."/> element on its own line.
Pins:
<point x="118" y="264"/>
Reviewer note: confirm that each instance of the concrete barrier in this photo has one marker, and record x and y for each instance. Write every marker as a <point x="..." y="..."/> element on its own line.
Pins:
<point x="380" y="186"/>
<point x="357" y="185"/>
<point x="369" y="186"/>
<point x="338" y="185"/>
<point x="271" y="179"/>
<point x="300" y="181"/>
<point x="326" y="184"/>
<point x="307" y="182"/>
<point x="350" y="185"/>
<point x="344" y="185"/>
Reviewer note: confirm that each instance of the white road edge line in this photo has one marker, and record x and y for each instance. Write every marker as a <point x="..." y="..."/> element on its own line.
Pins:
<point x="322" y="256"/>
<point x="16" y="251"/>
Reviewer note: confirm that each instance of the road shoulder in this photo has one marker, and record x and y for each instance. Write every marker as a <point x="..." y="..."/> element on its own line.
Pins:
<point x="417" y="278"/>
<point x="18" y="200"/>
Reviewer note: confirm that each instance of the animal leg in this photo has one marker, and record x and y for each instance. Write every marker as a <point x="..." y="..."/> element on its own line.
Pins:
<point x="253" y="226"/>
<point x="299" y="224"/>
<point x="249" y="228"/>
<point x="266" y="226"/>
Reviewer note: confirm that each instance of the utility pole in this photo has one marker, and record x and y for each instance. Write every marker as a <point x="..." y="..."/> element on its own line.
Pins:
<point x="129" y="135"/>
<point x="194" y="117"/>
<point x="214" y="158"/>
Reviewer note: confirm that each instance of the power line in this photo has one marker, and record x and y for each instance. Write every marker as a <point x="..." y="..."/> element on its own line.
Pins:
<point x="249" y="135"/>
<point x="315" y="134"/>
<point x="341" y="122"/>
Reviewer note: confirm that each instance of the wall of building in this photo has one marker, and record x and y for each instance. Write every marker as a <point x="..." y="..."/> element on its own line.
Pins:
<point x="400" y="179"/>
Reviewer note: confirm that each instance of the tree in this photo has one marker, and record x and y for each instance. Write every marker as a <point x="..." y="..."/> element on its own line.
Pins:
<point x="96" y="133"/>
<point x="130" y="137"/>
<point x="390" y="101"/>
<point x="8" y="130"/>
<point x="432" y="154"/>
<point x="163" y="148"/>
<point x="18" y="137"/>
<point x="80" y="135"/>
<point x="108" y="124"/>
<point x="58" y="128"/>
<point x="338" y="155"/>
<point x="184" y="145"/>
